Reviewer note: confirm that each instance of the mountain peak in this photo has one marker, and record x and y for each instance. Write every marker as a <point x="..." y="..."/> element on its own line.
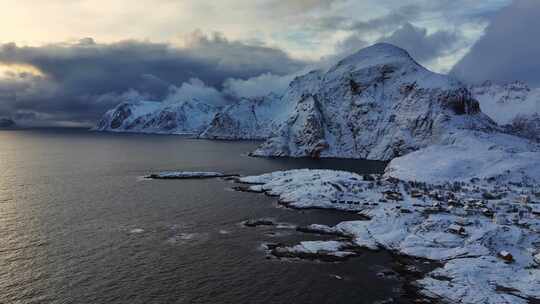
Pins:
<point x="380" y="53"/>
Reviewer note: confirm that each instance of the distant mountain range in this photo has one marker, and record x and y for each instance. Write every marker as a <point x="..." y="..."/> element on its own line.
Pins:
<point x="7" y="123"/>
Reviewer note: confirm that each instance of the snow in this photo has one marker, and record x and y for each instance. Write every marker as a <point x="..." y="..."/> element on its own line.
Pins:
<point x="466" y="155"/>
<point x="503" y="102"/>
<point x="186" y="175"/>
<point x="483" y="279"/>
<point x="460" y="188"/>
<point x="254" y="118"/>
<point x="317" y="246"/>
<point x="316" y="250"/>
<point x="376" y="104"/>
<point x="188" y="117"/>
<point x="420" y="220"/>
<point x="513" y="105"/>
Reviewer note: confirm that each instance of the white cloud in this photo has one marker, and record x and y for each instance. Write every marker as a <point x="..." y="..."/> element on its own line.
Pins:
<point x="195" y="89"/>
<point x="258" y="86"/>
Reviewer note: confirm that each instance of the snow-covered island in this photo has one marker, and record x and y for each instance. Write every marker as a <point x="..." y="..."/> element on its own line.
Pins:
<point x="462" y="186"/>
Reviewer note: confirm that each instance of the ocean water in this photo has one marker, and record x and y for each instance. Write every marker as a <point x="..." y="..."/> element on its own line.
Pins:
<point x="78" y="224"/>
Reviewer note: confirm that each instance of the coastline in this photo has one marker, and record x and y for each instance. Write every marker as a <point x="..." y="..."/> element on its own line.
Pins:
<point x="481" y="240"/>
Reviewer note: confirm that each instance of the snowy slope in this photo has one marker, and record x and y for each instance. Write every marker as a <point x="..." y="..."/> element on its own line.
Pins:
<point x="254" y="118"/>
<point x="467" y="155"/>
<point x="377" y="104"/>
<point x="504" y="102"/>
<point x="247" y="118"/>
<point x="514" y="105"/>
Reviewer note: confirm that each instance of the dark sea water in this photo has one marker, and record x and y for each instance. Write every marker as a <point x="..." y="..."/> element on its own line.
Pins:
<point x="79" y="225"/>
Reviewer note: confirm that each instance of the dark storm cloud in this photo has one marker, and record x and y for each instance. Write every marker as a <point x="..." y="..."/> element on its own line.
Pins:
<point x="509" y="49"/>
<point x="80" y="81"/>
<point x="421" y="45"/>
<point x="388" y="22"/>
<point x="396" y="28"/>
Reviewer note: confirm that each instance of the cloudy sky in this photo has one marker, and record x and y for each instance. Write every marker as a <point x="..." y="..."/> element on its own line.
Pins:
<point x="65" y="62"/>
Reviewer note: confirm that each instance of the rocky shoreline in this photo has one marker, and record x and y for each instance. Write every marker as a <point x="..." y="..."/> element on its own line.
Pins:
<point x="484" y="233"/>
<point x="405" y="269"/>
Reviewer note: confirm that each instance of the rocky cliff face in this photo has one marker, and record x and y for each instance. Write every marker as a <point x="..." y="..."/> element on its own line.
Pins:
<point x="375" y="104"/>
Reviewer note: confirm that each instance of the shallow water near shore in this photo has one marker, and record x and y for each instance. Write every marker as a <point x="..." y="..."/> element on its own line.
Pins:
<point x="80" y="225"/>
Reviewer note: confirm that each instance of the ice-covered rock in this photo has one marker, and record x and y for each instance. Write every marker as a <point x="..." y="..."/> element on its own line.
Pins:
<point x="187" y="175"/>
<point x="377" y="104"/>
<point x="316" y="250"/>
<point x="259" y="222"/>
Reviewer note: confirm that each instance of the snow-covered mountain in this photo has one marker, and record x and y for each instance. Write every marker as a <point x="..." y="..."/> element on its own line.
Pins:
<point x="514" y="105"/>
<point x="377" y="104"/>
<point x="190" y="117"/>
<point x="503" y="102"/>
<point x="254" y="118"/>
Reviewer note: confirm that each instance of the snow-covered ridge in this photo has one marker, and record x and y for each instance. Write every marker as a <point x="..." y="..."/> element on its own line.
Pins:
<point x="253" y="118"/>
<point x="189" y="117"/>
